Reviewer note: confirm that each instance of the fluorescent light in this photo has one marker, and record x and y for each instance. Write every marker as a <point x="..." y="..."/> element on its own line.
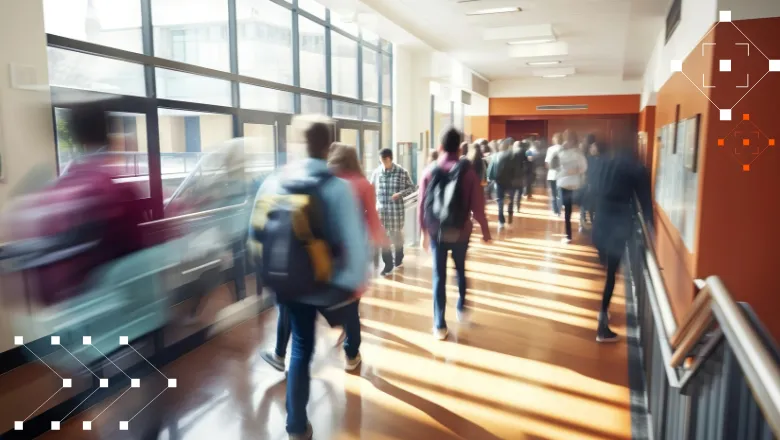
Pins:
<point x="495" y="11"/>
<point x="543" y="63"/>
<point x="554" y="76"/>
<point x="537" y="41"/>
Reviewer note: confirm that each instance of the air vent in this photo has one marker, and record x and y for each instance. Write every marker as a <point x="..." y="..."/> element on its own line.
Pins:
<point x="562" y="107"/>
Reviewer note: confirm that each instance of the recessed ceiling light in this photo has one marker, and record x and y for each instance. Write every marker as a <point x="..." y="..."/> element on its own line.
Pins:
<point x="543" y="63"/>
<point x="536" y="41"/>
<point x="495" y="11"/>
<point x="554" y="76"/>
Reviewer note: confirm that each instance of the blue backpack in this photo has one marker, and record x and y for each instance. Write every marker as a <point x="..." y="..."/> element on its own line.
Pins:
<point x="295" y="255"/>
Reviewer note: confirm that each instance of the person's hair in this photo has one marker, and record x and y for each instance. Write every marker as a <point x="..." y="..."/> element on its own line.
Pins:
<point x="483" y="142"/>
<point x="344" y="157"/>
<point x="88" y="124"/>
<point x="487" y="149"/>
<point x="464" y="148"/>
<point x="316" y="131"/>
<point x="506" y="144"/>
<point x="570" y="138"/>
<point x="600" y="147"/>
<point x="556" y="139"/>
<point x="450" y="139"/>
<point x="590" y="138"/>
<point x="475" y="154"/>
<point x="433" y="156"/>
<point x="384" y="153"/>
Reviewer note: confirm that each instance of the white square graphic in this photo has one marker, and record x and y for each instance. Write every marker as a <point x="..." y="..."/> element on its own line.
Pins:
<point x="87" y="426"/>
<point x="86" y="340"/>
<point x="135" y="383"/>
<point x="103" y="383"/>
<point x="55" y="426"/>
<point x="123" y="340"/>
<point x="18" y="340"/>
<point x="55" y="340"/>
<point x="676" y="65"/>
<point x="124" y="426"/>
<point x="67" y="383"/>
<point x="724" y="16"/>
<point x="725" y="114"/>
<point x="171" y="383"/>
<point x="774" y="65"/>
<point x="18" y="426"/>
<point x="725" y="65"/>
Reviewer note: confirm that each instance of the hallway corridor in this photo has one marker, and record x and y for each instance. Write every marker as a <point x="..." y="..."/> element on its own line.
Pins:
<point x="528" y="367"/>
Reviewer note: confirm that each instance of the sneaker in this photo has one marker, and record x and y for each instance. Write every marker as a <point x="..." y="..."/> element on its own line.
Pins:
<point x="273" y="360"/>
<point x="308" y="435"/>
<point x="582" y="229"/>
<point x="566" y="240"/>
<point x="386" y="271"/>
<point x="352" y="364"/>
<point x="606" y="335"/>
<point x="464" y="316"/>
<point x="440" y="333"/>
<point x="500" y="226"/>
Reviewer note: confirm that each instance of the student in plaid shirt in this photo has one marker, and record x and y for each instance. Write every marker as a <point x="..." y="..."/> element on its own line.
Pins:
<point x="392" y="183"/>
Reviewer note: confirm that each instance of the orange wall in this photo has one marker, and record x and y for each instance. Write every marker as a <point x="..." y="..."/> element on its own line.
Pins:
<point x="480" y="127"/>
<point x="679" y="265"/>
<point x="739" y="209"/>
<point x="647" y="125"/>
<point x="597" y="105"/>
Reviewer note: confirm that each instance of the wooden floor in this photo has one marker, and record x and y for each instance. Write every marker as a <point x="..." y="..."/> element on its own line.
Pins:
<point x="527" y="368"/>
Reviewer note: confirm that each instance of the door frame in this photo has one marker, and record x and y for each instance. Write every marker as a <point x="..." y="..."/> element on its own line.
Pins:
<point x="278" y="120"/>
<point x="361" y="127"/>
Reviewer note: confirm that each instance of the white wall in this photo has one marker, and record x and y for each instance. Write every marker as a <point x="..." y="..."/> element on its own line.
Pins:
<point x="747" y="10"/>
<point x="572" y="86"/>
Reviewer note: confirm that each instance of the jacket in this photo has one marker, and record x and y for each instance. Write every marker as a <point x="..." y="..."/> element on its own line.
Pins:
<point x="364" y="193"/>
<point x="571" y="174"/>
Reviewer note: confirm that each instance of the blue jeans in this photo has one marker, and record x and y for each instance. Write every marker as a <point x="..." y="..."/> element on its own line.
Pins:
<point x="555" y="197"/>
<point x="302" y="322"/>
<point x="501" y="192"/>
<point x="440" y="252"/>
<point x="351" y="330"/>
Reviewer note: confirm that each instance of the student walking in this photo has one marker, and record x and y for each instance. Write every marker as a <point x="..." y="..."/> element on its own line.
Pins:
<point x="552" y="162"/>
<point x="570" y="176"/>
<point x="450" y="196"/>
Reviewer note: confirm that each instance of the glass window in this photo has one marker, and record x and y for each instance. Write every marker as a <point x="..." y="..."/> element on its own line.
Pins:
<point x="311" y="40"/>
<point x="371" y="113"/>
<point x="370" y="75"/>
<point x="265" y="40"/>
<point x="312" y="105"/>
<point x="387" y="46"/>
<point x="346" y="26"/>
<point x="193" y="35"/>
<point x="261" y="98"/>
<point x="88" y="72"/>
<point x="114" y="23"/>
<point x="312" y="7"/>
<point x="387" y="80"/>
<point x="369" y="37"/>
<point x="259" y="148"/>
<point x="344" y="69"/>
<point x="387" y="127"/>
<point x="346" y="110"/>
<point x="370" y="149"/>
<point x="193" y="88"/>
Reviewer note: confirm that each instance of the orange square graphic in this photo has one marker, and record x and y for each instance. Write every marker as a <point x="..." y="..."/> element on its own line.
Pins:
<point x="746" y="116"/>
<point x="721" y="142"/>
<point x="771" y="142"/>
<point x="745" y="167"/>
<point x="746" y="142"/>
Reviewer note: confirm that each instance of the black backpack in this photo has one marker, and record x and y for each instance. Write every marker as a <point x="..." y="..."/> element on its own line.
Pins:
<point x="288" y="235"/>
<point x="446" y="207"/>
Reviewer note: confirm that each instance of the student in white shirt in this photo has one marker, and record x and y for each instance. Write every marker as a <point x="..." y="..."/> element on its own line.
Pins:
<point x="570" y="175"/>
<point x="552" y="164"/>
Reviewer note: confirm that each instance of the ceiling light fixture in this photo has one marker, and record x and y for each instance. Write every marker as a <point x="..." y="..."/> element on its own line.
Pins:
<point x="537" y="41"/>
<point x="543" y="63"/>
<point x="495" y="11"/>
<point x="554" y="76"/>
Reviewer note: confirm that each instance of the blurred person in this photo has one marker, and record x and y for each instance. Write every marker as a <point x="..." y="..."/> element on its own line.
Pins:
<point x="520" y="170"/>
<point x="319" y="261"/>
<point x="581" y="195"/>
<point x="570" y="176"/>
<point x="450" y="195"/>
<point x="552" y="162"/>
<point x="433" y="156"/>
<point x="533" y="154"/>
<point x="622" y="181"/>
<point x="478" y="163"/>
<point x="392" y="183"/>
<point x="590" y="192"/>
<point x="502" y="171"/>
<point x="464" y="150"/>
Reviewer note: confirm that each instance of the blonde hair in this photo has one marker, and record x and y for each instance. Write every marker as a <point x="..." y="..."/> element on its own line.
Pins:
<point x="344" y="157"/>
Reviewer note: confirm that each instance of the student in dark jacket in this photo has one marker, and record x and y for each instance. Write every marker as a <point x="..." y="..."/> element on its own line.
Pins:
<point x="622" y="181"/>
<point x="589" y="195"/>
<point x="501" y="171"/>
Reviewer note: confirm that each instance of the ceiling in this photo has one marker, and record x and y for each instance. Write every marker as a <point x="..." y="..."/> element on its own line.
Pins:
<point x="606" y="38"/>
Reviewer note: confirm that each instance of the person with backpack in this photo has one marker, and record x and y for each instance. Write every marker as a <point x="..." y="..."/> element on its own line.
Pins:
<point x="313" y="251"/>
<point x="502" y="171"/>
<point x="450" y="195"/>
<point x="392" y="183"/>
<point x="570" y="176"/>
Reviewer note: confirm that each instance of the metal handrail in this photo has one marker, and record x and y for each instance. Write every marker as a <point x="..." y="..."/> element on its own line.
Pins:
<point x="197" y="215"/>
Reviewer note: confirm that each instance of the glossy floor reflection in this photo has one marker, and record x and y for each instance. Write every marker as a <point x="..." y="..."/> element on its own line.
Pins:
<point x="527" y="368"/>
